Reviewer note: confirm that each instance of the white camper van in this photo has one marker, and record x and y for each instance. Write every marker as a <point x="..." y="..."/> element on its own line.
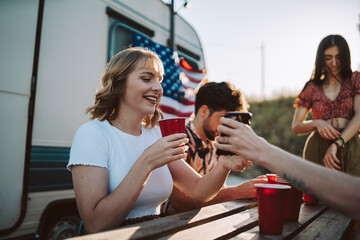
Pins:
<point x="52" y="54"/>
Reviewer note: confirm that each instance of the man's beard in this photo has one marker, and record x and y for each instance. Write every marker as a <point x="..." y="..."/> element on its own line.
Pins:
<point x="208" y="133"/>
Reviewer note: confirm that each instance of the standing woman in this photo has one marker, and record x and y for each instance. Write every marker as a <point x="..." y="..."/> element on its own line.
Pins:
<point x="333" y="96"/>
<point x="121" y="167"/>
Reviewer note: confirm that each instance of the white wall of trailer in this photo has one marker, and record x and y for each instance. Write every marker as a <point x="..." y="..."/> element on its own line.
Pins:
<point x="17" y="40"/>
<point x="72" y="58"/>
<point x="36" y="203"/>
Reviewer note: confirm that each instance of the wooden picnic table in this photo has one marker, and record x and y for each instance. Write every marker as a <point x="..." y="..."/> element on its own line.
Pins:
<point x="234" y="220"/>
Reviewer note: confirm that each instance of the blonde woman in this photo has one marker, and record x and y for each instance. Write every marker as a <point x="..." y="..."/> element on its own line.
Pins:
<point x="121" y="167"/>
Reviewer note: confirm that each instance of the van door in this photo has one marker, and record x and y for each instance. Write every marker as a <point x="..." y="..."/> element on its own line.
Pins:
<point x="18" y="28"/>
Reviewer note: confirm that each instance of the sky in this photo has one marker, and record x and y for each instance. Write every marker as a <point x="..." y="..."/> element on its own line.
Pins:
<point x="234" y="32"/>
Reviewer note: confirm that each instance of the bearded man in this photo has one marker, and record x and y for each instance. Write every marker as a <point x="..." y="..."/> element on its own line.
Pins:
<point x="213" y="101"/>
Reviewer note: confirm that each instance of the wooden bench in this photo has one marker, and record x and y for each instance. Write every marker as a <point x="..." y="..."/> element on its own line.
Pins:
<point x="234" y="220"/>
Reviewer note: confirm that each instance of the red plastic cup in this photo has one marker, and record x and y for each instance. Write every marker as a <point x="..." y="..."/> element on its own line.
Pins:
<point x="172" y="125"/>
<point x="310" y="200"/>
<point x="271" y="178"/>
<point x="293" y="203"/>
<point x="271" y="201"/>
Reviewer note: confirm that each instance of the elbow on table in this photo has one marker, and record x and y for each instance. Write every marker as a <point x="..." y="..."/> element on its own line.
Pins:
<point x="206" y="199"/>
<point x="200" y="198"/>
<point x="94" y="228"/>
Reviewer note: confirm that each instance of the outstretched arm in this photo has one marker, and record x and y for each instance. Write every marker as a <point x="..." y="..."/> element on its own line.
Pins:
<point x="203" y="188"/>
<point x="245" y="190"/>
<point x="334" y="188"/>
<point x="302" y="126"/>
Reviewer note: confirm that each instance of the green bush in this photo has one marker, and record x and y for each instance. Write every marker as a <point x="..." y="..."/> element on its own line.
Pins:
<point x="272" y="120"/>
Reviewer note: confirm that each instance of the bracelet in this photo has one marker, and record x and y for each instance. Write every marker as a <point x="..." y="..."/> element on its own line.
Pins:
<point x="342" y="140"/>
<point x="338" y="145"/>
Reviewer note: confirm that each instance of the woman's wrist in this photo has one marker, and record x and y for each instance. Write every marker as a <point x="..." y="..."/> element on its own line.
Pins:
<point x="336" y="144"/>
<point x="221" y="164"/>
<point x="339" y="142"/>
<point x="143" y="163"/>
<point x="316" y="123"/>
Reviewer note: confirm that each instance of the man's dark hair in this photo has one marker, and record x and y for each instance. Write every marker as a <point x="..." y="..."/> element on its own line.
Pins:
<point x="220" y="96"/>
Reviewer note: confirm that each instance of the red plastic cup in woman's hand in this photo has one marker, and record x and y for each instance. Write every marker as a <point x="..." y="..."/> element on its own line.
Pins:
<point x="171" y="126"/>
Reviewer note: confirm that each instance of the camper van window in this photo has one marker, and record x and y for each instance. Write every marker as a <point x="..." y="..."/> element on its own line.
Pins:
<point x="119" y="38"/>
<point x="116" y="16"/>
<point x="188" y="52"/>
<point x="122" y="39"/>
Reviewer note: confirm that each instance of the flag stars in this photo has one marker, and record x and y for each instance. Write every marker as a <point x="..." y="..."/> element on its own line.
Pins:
<point x="171" y="84"/>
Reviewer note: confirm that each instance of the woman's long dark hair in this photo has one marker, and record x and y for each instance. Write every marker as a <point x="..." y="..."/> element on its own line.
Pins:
<point x="330" y="41"/>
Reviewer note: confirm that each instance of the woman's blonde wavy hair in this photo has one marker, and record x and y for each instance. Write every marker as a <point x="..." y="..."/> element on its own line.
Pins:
<point x="113" y="84"/>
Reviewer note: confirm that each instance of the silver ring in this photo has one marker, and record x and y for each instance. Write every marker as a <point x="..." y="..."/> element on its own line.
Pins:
<point x="226" y="139"/>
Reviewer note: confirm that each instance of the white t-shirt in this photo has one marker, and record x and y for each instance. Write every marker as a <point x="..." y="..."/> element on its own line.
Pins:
<point x="98" y="143"/>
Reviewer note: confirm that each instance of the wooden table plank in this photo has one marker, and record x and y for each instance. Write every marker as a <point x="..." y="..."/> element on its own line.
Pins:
<point x="223" y="228"/>
<point x="232" y="220"/>
<point x="330" y="225"/>
<point x="308" y="213"/>
<point x="174" y="223"/>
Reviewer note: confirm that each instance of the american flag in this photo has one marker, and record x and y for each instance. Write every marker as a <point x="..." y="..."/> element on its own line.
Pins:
<point x="180" y="80"/>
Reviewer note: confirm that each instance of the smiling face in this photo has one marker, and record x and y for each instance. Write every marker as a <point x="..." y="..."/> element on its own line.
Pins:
<point x="143" y="89"/>
<point x="332" y="60"/>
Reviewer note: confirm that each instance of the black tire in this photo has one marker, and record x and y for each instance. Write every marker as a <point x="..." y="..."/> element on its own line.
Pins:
<point x="63" y="228"/>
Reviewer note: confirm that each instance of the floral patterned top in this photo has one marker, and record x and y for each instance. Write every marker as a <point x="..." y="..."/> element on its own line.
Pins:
<point x="201" y="154"/>
<point x="313" y="98"/>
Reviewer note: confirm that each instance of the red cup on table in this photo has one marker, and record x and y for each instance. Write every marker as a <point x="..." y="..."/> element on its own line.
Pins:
<point x="309" y="200"/>
<point x="293" y="203"/>
<point x="172" y="125"/>
<point x="271" y="177"/>
<point x="271" y="200"/>
<point x="279" y="178"/>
